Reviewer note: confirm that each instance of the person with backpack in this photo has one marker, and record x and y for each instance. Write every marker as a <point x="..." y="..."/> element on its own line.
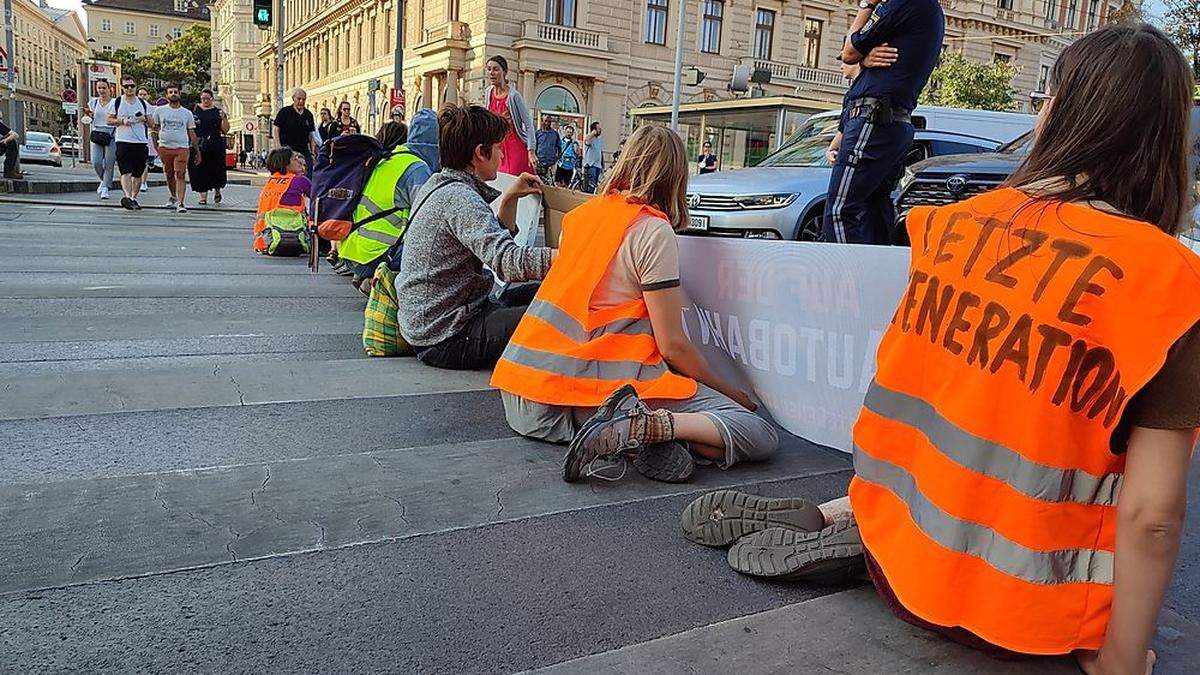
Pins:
<point x="445" y="309"/>
<point x="568" y="158"/>
<point x="129" y="114"/>
<point x="381" y="215"/>
<point x="287" y="192"/>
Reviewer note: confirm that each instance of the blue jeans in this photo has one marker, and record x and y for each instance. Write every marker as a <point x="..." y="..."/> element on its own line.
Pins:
<point x="591" y="178"/>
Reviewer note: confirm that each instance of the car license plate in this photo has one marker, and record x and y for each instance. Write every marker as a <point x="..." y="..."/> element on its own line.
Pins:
<point x="698" y="223"/>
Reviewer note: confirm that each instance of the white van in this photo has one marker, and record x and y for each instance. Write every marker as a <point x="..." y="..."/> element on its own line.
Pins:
<point x="997" y="126"/>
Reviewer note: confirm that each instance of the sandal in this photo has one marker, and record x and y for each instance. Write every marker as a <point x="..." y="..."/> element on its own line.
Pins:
<point x="217" y="197"/>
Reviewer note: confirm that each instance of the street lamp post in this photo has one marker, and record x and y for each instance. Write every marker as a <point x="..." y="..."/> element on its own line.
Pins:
<point x="398" y="74"/>
<point x="11" y="64"/>
<point x="279" y="57"/>
<point x="678" y="85"/>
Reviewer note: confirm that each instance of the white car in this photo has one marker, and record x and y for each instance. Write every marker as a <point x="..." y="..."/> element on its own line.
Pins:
<point x="41" y="147"/>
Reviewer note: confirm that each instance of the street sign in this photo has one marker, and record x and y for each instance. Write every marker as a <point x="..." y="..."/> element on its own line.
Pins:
<point x="396" y="104"/>
<point x="69" y="96"/>
<point x="70" y="108"/>
<point x="373" y="84"/>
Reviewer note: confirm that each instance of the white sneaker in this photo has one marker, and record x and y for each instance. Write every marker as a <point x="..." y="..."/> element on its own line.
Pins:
<point x="181" y="209"/>
<point x="103" y="192"/>
<point x="99" y="187"/>
<point x="171" y="203"/>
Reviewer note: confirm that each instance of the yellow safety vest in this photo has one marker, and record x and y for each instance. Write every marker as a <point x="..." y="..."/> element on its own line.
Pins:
<point x="372" y="239"/>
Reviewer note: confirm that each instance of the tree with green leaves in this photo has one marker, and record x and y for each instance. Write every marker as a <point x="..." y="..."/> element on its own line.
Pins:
<point x="1182" y="22"/>
<point x="959" y="83"/>
<point x="186" y="59"/>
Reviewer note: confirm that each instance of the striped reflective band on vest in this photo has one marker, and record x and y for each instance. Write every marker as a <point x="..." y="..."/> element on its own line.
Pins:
<point x="569" y="326"/>
<point x="588" y="369"/>
<point x="1039" y="567"/>
<point x="1039" y="481"/>
<point x="373" y="209"/>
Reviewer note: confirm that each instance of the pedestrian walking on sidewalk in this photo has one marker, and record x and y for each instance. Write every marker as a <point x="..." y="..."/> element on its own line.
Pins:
<point x="151" y="147"/>
<point x="208" y="170"/>
<point x="549" y="149"/>
<point x="175" y="132"/>
<point x="1022" y="455"/>
<point x="876" y="124"/>
<point x="129" y="116"/>
<point x="102" y="137"/>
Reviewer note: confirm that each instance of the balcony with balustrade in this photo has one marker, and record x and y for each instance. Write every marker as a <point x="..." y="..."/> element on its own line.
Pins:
<point x="444" y="47"/>
<point x="798" y="76"/>
<point x="564" y="49"/>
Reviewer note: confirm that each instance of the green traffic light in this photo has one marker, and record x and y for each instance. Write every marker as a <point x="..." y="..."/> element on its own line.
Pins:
<point x="264" y="15"/>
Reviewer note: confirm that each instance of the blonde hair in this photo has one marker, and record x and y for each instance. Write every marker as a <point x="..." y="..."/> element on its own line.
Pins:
<point x="653" y="170"/>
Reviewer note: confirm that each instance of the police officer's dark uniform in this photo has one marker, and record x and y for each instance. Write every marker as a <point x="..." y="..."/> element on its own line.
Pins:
<point x="876" y="123"/>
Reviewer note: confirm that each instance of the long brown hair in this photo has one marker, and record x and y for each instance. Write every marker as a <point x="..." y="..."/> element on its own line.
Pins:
<point x="1117" y="126"/>
<point x="653" y="170"/>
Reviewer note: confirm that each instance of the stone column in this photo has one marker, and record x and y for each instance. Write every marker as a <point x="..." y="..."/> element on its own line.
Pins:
<point x="452" y="86"/>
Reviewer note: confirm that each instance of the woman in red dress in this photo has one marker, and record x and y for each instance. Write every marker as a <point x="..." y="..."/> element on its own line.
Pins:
<point x="518" y="145"/>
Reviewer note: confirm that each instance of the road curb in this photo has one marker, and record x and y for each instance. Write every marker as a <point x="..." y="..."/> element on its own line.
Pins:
<point x="115" y="204"/>
<point x="9" y="186"/>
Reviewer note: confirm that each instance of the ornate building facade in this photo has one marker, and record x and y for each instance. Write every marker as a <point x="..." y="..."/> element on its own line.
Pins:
<point x="235" y="43"/>
<point x="140" y="24"/>
<point x="585" y="60"/>
<point x="49" y="45"/>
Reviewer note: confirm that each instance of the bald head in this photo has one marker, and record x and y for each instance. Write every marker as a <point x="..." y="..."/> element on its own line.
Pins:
<point x="299" y="96"/>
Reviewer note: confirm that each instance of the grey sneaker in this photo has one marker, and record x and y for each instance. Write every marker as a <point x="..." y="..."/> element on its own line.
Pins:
<point x="725" y="516"/>
<point x="669" y="462"/>
<point x="833" y="555"/>
<point x="606" y="433"/>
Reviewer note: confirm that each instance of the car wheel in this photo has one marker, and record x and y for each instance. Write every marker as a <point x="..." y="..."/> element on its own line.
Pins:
<point x="810" y="227"/>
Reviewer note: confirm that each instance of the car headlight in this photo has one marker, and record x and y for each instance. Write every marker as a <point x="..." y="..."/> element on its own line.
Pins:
<point x="775" y="201"/>
<point x="906" y="180"/>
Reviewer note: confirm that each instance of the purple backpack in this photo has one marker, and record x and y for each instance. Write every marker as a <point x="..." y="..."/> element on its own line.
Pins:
<point x="343" y="166"/>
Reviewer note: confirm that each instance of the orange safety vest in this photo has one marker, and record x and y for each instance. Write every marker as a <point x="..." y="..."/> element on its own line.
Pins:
<point x="566" y="353"/>
<point x="268" y="201"/>
<point x="984" y="483"/>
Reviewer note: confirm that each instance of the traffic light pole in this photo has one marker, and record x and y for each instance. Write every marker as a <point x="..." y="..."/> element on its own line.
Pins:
<point x="278" y="56"/>
<point x="10" y="62"/>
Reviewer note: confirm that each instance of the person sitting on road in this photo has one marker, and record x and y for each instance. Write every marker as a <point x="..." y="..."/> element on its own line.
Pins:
<point x="383" y="209"/>
<point x="1021" y="459"/>
<point x="287" y="188"/>
<point x="445" y="312"/>
<point x="607" y="318"/>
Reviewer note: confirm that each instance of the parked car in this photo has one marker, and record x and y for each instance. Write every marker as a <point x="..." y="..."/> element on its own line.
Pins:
<point x="69" y="145"/>
<point x="41" y="148"/>
<point x="1000" y="126"/>
<point x="783" y="197"/>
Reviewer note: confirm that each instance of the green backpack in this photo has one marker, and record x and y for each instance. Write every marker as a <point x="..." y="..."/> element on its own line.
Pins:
<point x="285" y="233"/>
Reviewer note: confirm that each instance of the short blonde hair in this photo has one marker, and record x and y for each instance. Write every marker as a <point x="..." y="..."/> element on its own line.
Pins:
<point x="653" y="170"/>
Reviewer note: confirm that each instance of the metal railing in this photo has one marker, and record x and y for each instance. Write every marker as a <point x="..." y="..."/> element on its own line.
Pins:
<point x="786" y="73"/>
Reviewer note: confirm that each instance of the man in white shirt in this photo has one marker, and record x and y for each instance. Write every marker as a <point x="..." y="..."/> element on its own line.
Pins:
<point x="129" y="117"/>
<point x="175" y="133"/>
<point x="593" y="158"/>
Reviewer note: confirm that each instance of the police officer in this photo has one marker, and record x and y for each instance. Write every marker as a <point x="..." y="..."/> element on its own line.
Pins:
<point x="876" y="123"/>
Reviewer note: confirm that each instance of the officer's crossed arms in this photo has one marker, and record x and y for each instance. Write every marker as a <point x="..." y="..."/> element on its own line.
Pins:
<point x="882" y="56"/>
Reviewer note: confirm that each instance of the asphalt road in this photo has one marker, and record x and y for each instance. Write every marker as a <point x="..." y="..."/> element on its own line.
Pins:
<point x="201" y="472"/>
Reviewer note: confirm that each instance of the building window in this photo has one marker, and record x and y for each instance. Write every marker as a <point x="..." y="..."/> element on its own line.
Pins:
<point x="106" y="25"/>
<point x="1043" y="78"/>
<point x="656" y="22"/>
<point x="561" y="12"/>
<point x="129" y="28"/>
<point x="1005" y="4"/>
<point x="1001" y="58"/>
<point x="764" y="33"/>
<point x="181" y="6"/>
<point x="154" y="30"/>
<point x="1071" y="6"/>
<point x="1049" y="9"/>
<point x="557" y="99"/>
<point x="177" y="31"/>
<point x="710" y="26"/>
<point x="1093" y="13"/>
<point x="812" y="42"/>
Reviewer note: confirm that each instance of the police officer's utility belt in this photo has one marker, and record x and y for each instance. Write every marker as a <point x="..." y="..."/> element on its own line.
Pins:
<point x="878" y="110"/>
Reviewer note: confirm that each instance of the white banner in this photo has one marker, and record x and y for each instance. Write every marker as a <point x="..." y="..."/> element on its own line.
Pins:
<point x="795" y="323"/>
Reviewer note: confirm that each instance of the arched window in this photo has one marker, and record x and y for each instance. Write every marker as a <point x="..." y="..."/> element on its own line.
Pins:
<point x="557" y="99"/>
